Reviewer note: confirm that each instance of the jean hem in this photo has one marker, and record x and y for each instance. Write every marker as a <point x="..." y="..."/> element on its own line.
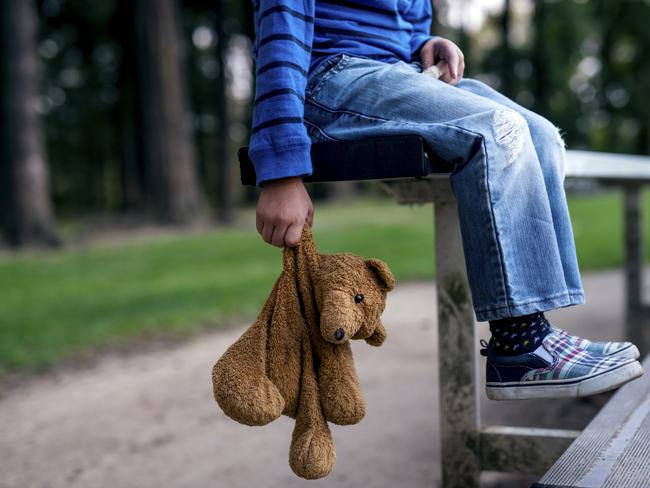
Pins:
<point x="528" y="307"/>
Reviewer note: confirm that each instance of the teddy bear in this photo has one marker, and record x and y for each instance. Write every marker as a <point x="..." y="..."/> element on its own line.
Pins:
<point x="296" y="359"/>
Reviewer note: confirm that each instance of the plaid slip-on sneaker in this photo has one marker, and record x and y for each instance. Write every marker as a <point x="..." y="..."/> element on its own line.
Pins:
<point x="623" y="349"/>
<point x="556" y="369"/>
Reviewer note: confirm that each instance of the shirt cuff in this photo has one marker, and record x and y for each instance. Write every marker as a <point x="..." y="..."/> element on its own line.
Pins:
<point x="283" y="162"/>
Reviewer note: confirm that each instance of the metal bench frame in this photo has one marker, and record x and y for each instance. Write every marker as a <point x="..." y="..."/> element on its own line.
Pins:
<point x="413" y="175"/>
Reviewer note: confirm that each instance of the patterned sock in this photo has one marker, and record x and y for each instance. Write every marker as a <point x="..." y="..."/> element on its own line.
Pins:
<point x="518" y="335"/>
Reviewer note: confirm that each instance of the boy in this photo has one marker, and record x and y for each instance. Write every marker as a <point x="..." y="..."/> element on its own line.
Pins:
<point x="349" y="69"/>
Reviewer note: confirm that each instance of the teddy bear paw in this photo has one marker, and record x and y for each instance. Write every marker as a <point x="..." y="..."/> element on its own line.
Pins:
<point x="312" y="454"/>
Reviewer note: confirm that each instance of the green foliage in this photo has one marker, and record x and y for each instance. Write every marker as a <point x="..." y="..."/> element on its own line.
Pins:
<point x="584" y="65"/>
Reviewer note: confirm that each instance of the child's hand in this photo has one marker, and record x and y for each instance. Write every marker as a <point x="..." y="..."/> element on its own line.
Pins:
<point x="282" y="209"/>
<point x="439" y="49"/>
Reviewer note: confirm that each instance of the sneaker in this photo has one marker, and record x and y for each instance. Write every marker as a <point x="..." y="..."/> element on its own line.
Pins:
<point x="605" y="348"/>
<point x="556" y="369"/>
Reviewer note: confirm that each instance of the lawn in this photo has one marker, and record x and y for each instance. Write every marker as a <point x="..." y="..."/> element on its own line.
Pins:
<point x="55" y="305"/>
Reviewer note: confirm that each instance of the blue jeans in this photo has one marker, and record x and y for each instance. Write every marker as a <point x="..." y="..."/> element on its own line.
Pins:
<point x="507" y="179"/>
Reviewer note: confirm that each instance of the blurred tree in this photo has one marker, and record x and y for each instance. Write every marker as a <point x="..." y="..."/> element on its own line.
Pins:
<point x="557" y="50"/>
<point x="620" y="110"/>
<point x="507" y="81"/>
<point x="225" y="193"/>
<point x="25" y="208"/>
<point x="132" y="173"/>
<point x="80" y="49"/>
<point x="533" y="51"/>
<point x="629" y="83"/>
<point x="169" y="153"/>
<point x="123" y="135"/>
<point x="539" y="53"/>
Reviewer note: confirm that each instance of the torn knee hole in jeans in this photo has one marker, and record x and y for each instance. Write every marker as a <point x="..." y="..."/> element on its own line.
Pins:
<point x="509" y="129"/>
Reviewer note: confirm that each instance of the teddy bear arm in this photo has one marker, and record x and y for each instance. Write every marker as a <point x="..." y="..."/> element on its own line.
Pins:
<point x="340" y="391"/>
<point x="240" y="382"/>
<point x="241" y="387"/>
<point x="284" y="355"/>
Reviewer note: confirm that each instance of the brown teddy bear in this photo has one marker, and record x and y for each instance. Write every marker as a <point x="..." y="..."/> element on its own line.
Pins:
<point x="296" y="358"/>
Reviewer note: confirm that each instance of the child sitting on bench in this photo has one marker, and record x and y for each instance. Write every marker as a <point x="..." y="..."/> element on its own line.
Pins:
<point x="352" y="69"/>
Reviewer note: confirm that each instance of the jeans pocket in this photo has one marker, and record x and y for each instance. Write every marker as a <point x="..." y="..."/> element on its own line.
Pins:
<point x="323" y="73"/>
<point x="316" y="134"/>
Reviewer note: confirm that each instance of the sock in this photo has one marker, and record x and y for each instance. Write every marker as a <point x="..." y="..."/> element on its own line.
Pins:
<point x="518" y="335"/>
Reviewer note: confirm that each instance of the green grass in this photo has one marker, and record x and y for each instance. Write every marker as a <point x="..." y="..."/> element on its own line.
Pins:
<point x="598" y="229"/>
<point x="55" y="305"/>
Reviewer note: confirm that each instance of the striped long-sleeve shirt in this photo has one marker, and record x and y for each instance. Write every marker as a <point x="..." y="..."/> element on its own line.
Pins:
<point x="295" y="36"/>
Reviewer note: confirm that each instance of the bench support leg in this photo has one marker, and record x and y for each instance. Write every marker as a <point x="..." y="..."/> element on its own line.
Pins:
<point x="465" y="447"/>
<point x="459" y="406"/>
<point x="634" y="310"/>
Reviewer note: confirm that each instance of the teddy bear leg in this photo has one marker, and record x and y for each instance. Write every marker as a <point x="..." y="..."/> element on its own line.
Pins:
<point x="338" y="383"/>
<point x="312" y="454"/>
<point x="240" y="382"/>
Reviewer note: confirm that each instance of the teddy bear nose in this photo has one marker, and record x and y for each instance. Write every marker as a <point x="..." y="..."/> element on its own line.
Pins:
<point x="338" y="335"/>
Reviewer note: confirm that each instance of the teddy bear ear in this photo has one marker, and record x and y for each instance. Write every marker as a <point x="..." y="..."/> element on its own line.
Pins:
<point x="382" y="273"/>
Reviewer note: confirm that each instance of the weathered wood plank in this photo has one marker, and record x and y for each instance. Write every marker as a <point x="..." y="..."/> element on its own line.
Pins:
<point x="614" y="449"/>
<point x="459" y="406"/>
<point x="602" y="165"/>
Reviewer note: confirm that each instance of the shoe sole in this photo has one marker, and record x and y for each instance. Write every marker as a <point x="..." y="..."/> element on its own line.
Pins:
<point x="573" y="388"/>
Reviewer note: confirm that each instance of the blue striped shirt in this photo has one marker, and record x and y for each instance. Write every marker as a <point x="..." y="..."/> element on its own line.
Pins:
<point x="292" y="38"/>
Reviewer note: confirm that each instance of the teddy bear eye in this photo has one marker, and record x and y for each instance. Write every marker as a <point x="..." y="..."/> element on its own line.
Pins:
<point x="358" y="298"/>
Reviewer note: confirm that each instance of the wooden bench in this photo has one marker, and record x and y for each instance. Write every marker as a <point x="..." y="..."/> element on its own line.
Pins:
<point x="614" y="449"/>
<point x="414" y="175"/>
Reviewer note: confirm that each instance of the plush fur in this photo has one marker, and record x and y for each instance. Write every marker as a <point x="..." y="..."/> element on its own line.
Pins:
<point x="296" y="358"/>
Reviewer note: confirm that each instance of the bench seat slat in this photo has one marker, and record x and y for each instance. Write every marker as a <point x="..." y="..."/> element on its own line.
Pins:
<point x="613" y="450"/>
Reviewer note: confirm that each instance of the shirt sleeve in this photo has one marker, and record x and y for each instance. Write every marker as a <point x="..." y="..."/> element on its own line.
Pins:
<point x="280" y="145"/>
<point x="419" y="15"/>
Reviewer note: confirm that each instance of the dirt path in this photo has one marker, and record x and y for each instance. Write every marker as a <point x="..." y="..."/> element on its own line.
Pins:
<point x="150" y="420"/>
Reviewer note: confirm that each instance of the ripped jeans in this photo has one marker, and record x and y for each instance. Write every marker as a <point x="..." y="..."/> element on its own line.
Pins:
<point x="507" y="179"/>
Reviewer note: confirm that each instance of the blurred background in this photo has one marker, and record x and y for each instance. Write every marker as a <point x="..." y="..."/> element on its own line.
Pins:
<point x="120" y="122"/>
<point x="122" y="219"/>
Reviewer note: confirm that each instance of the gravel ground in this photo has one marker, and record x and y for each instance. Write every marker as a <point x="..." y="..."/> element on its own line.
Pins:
<point x="149" y="420"/>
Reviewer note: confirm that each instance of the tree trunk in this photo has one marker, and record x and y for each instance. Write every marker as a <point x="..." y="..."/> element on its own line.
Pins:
<point x="169" y="153"/>
<point x="129" y="120"/>
<point x="25" y="207"/>
<point x="539" y="58"/>
<point x="507" y="78"/>
<point x="225" y="194"/>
